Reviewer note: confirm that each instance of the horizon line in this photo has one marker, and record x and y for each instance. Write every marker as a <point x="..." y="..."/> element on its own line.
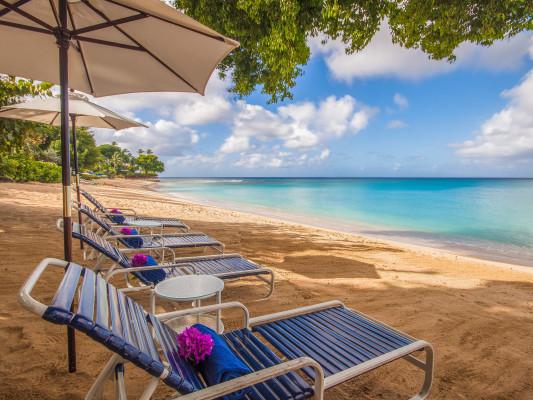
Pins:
<point x="342" y="177"/>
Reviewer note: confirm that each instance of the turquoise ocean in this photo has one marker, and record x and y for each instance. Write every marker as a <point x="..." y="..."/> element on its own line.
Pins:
<point x="486" y="218"/>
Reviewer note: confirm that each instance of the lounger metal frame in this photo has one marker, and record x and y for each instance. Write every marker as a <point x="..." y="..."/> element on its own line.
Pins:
<point x="261" y="273"/>
<point x="108" y="231"/>
<point x="175" y="223"/>
<point x="114" y="369"/>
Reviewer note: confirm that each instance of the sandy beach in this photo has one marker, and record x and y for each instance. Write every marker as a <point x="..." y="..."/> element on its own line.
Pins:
<point x="477" y="314"/>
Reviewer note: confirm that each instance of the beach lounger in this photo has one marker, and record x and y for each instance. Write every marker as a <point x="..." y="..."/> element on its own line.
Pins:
<point x="131" y="217"/>
<point x="223" y="266"/>
<point x="182" y="240"/>
<point x="296" y="354"/>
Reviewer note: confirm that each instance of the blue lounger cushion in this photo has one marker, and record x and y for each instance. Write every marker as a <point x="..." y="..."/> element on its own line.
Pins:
<point x="222" y="365"/>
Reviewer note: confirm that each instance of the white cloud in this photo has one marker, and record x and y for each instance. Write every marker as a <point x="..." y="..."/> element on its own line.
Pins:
<point x="383" y="58"/>
<point x="164" y="137"/>
<point x="400" y="101"/>
<point x="196" y="159"/>
<point x="509" y="132"/>
<point x="380" y="58"/>
<point x="254" y="121"/>
<point x="235" y="144"/>
<point x="264" y="159"/>
<point x="183" y="108"/>
<point x="297" y="126"/>
<point x="290" y="135"/>
<point x="203" y="111"/>
<point x="324" y="154"/>
<point x="258" y="160"/>
<point x="175" y="114"/>
<point x="503" y="55"/>
<point x="396" y="124"/>
<point x="361" y="118"/>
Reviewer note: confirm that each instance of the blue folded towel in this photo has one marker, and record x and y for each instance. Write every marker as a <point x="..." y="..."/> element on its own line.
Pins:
<point x="117" y="216"/>
<point x="135" y="242"/>
<point x="153" y="276"/>
<point x="222" y="365"/>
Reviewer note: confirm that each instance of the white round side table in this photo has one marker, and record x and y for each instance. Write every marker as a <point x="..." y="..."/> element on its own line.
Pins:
<point x="193" y="288"/>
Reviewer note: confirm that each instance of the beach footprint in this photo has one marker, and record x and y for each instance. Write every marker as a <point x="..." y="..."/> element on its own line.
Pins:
<point x="14" y="336"/>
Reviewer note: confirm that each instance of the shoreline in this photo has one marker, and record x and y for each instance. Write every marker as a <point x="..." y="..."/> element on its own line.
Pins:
<point x="316" y="223"/>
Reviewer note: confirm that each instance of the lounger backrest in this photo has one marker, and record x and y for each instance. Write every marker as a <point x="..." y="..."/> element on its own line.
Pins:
<point x="87" y="303"/>
<point x="84" y="209"/>
<point x="98" y="243"/>
<point x="93" y="201"/>
<point x="100" y="222"/>
<point x="106" y="247"/>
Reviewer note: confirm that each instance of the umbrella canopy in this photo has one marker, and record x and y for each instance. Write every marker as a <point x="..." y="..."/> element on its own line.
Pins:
<point x="116" y="46"/>
<point x="85" y="113"/>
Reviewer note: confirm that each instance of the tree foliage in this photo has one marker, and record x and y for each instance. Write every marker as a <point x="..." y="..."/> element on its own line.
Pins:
<point x="274" y="33"/>
<point x="32" y="152"/>
<point x="21" y="168"/>
<point x="88" y="153"/>
<point x="118" y="161"/>
<point x="149" y="164"/>
<point x="16" y="135"/>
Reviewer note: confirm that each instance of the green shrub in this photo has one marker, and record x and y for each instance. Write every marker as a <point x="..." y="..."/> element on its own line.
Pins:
<point x="21" y="168"/>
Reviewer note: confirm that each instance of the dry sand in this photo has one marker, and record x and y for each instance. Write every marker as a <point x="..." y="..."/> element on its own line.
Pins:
<point x="478" y="315"/>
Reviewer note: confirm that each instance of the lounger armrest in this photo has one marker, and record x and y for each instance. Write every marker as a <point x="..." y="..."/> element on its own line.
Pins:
<point x="124" y="211"/>
<point x="402" y="352"/>
<point x="218" y="391"/>
<point x="181" y="233"/>
<point x="147" y="268"/>
<point x="130" y="250"/>
<point x="294" y="312"/>
<point x="122" y="214"/>
<point x="133" y="250"/>
<point x="217" y="256"/>
<point x="25" y="298"/>
<point x="116" y="237"/>
<point x="184" y="228"/>
<point x="248" y="272"/>
<point x="207" y="309"/>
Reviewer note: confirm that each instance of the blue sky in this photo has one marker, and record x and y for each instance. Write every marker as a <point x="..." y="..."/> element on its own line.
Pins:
<point x="386" y="111"/>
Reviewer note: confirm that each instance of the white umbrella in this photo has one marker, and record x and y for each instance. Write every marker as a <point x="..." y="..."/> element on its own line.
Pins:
<point x="105" y="47"/>
<point x="115" y="46"/>
<point x="86" y="113"/>
<point x="83" y="113"/>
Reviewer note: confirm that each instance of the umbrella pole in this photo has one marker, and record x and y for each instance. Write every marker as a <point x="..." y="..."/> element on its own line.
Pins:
<point x="76" y="168"/>
<point x="63" y="41"/>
